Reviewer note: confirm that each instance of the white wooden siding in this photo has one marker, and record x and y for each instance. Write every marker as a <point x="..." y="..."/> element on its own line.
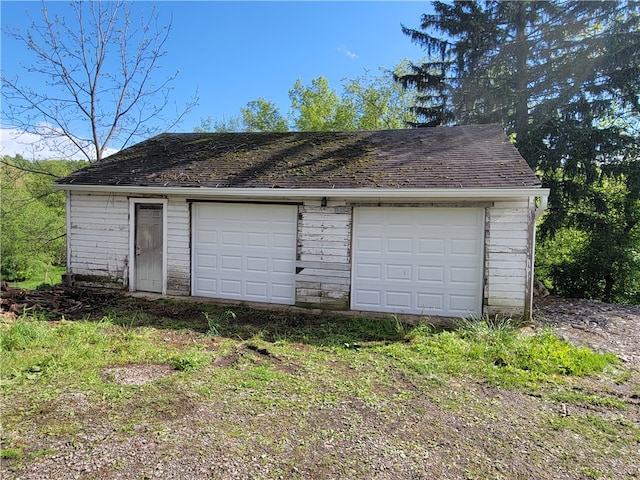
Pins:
<point x="508" y="263"/>
<point x="98" y="239"/>
<point x="98" y="250"/>
<point x="323" y="267"/>
<point x="178" y="247"/>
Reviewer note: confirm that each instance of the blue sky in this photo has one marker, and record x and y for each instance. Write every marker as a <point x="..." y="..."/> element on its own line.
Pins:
<point x="234" y="52"/>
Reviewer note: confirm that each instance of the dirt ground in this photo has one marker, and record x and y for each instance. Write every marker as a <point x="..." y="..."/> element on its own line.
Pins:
<point x="601" y="326"/>
<point x="495" y="437"/>
<point x="604" y="327"/>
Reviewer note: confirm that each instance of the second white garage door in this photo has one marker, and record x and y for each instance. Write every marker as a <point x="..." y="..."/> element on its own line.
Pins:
<point x="244" y="252"/>
<point x="425" y="261"/>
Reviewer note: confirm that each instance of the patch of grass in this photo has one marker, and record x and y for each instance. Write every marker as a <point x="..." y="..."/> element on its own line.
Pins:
<point x="615" y="430"/>
<point x="312" y="389"/>
<point x="326" y="330"/>
<point x="579" y="397"/>
<point x="189" y="360"/>
<point x="48" y="275"/>
<point x="215" y="322"/>
<point x="26" y="332"/>
<point x="11" y="453"/>
<point x="71" y="351"/>
<point x="499" y="353"/>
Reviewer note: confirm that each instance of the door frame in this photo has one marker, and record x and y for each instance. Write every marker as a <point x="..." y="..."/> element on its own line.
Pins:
<point x="132" y="239"/>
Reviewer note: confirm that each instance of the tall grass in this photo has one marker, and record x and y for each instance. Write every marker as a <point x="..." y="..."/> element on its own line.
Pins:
<point x="500" y="353"/>
<point x="33" y="349"/>
<point x="496" y="352"/>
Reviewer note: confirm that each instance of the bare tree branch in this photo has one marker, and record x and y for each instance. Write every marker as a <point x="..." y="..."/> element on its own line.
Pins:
<point x="101" y="68"/>
<point x="29" y="170"/>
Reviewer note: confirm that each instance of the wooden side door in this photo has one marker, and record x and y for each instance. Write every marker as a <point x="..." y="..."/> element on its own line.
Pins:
<point x="148" y="247"/>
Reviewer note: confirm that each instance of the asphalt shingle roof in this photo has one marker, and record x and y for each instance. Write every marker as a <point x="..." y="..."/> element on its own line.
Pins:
<point x="472" y="156"/>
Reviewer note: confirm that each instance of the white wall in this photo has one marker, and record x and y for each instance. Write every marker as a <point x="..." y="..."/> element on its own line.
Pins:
<point x="508" y="262"/>
<point x="323" y="277"/>
<point x="178" y="247"/>
<point x="98" y="238"/>
<point x="98" y="249"/>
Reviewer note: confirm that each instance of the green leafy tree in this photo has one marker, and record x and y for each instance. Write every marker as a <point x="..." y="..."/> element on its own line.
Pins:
<point x="319" y="107"/>
<point x="377" y="102"/>
<point x="263" y="116"/>
<point x="367" y="102"/>
<point x="563" y="79"/>
<point x="32" y="216"/>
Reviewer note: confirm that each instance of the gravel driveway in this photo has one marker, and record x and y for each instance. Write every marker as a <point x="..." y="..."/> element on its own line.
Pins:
<point x="601" y="326"/>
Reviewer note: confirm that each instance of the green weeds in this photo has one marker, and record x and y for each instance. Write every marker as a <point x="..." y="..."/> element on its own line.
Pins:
<point x="256" y="370"/>
<point x="189" y="360"/>
<point x="497" y="352"/>
<point x="216" y="323"/>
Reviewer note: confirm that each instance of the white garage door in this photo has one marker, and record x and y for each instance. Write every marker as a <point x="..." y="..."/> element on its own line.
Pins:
<point x="244" y="252"/>
<point x="425" y="261"/>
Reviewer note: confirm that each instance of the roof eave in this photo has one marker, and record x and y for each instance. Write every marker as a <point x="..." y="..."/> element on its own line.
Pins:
<point x="302" y="193"/>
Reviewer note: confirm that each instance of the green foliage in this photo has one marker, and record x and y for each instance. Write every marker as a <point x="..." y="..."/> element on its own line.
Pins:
<point x="11" y="453"/>
<point x="365" y="103"/>
<point x="42" y="279"/>
<point x="378" y="103"/>
<point x="497" y="351"/>
<point x="32" y="216"/>
<point x="217" y="323"/>
<point x="33" y="349"/>
<point x="188" y="361"/>
<point x="263" y="116"/>
<point x="319" y="107"/>
<point x="25" y="333"/>
<point x="563" y="79"/>
<point x="598" y="255"/>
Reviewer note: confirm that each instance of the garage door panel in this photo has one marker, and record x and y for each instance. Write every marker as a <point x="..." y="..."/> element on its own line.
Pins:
<point x="430" y="274"/>
<point x="209" y="286"/>
<point x="400" y="245"/>
<point x="463" y="304"/>
<point x="231" y="239"/>
<point x="398" y="300"/>
<point x="255" y="239"/>
<point x="206" y="261"/>
<point x="368" y="270"/>
<point x="258" y="289"/>
<point x="207" y="237"/>
<point x="466" y="275"/>
<point x="399" y="272"/>
<point x="433" y="246"/>
<point x="284" y="240"/>
<point x="282" y="266"/>
<point x="257" y="264"/>
<point x="280" y="291"/>
<point x="369" y="244"/>
<point x="371" y="298"/>
<point x="464" y="246"/>
<point x="431" y="261"/>
<point x="255" y="257"/>
<point x="231" y="263"/>
<point x="231" y="287"/>
<point x="430" y="302"/>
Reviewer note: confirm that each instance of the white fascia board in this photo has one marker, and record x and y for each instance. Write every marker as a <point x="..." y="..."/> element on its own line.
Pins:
<point x="306" y="193"/>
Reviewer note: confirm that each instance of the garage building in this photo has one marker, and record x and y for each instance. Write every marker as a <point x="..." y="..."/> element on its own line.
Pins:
<point x="431" y="221"/>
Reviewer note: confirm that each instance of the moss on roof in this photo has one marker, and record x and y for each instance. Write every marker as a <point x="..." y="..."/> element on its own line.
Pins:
<point x="465" y="156"/>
